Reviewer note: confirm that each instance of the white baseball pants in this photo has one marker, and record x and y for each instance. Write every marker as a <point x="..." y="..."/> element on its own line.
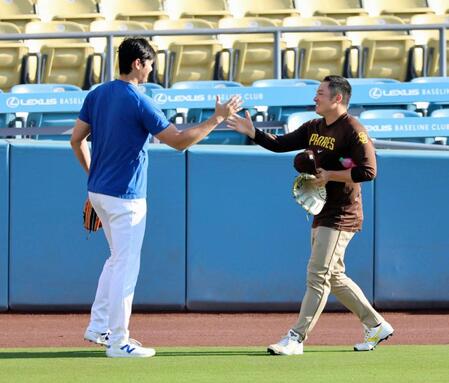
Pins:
<point x="124" y="227"/>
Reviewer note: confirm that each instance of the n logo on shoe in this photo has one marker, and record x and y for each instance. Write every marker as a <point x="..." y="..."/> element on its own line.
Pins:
<point x="127" y="348"/>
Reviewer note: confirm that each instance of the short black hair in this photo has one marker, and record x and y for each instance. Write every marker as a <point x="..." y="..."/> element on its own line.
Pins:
<point x="133" y="48"/>
<point x="339" y="85"/>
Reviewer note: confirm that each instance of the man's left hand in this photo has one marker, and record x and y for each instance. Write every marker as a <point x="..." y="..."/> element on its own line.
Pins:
<point x="322" y="177"/>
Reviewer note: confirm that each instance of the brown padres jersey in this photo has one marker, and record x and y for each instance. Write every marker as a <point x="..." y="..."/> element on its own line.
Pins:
<point x="345" y="138"/>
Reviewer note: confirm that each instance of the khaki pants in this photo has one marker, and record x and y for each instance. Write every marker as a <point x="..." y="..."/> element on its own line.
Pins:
<point x="326" y="274"/>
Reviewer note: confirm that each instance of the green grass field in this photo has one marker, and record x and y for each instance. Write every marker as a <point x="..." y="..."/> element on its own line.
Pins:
<point x="408" y="364"/>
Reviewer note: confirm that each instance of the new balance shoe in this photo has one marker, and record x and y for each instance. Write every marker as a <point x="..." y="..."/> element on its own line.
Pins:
<point x="132" y="349"/>
<point x="96" y="337"/>
<point x="374" y="335"/>
<point x="291" y="344"/>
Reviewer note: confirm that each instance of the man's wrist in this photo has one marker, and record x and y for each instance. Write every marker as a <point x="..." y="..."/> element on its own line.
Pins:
<point x="252" y="133"/>
<point x="217" y="119"/>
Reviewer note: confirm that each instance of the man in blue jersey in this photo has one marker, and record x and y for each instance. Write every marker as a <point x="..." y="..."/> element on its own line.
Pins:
<point x="120" y="120"/>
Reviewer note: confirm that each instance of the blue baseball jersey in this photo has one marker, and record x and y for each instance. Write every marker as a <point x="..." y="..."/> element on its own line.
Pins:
<point x="122" y="120"/>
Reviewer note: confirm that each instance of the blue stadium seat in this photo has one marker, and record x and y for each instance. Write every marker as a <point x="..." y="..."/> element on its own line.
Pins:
<point x="400" y="113"/>
<point x="148" y="86"/>
<point x="357" y="109"/>
<point x="205" y="84"/>
<point x="388" y="113"/>
<point x="295" y="120"/>
<point x="3" y="123"/>
<point x="7" y="120"/>
<point x="281" y="113"/>
<point x="44" y="88"/>
<point x="285" y="82"/>
<point x="356" y="81"/>
<point x="199" y="115"/>
<point x="48" y="119"/>
<point x="433" y="106"/>
<point x="430" y="79"/>
<point x="395" y="113"/>
<point x="194" y="116"/>
<point x="440" y="113"/>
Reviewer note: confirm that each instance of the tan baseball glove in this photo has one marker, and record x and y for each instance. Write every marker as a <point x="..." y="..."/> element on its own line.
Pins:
<point x="311" y="197"/>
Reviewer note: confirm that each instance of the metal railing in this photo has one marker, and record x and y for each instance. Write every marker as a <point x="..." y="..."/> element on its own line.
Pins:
<point x="276" y="31"/>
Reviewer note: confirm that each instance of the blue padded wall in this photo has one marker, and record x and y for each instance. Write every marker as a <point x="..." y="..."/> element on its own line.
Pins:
<point x="248" y="243"/>
<point x="247" y="240"/>
<point x="162" y="278"/>
<point x="412" y="240"/>
<point x="4" y="226"/>
<point x="53" y="264"/>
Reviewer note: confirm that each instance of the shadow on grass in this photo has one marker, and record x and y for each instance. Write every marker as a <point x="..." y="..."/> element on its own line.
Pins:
<point x="331" y="350"/>
<point x="101" y="354"/>
<point x="51" y="354"/>
<point x="261" y="352"/>
<point x="213" y="353"/>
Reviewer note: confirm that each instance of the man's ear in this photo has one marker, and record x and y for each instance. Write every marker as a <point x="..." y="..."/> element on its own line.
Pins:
<point x="136" y="64"/>
<point x="339" y="98"/>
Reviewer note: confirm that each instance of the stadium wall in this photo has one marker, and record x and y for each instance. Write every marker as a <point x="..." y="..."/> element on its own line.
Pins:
<point x="54" y="264"/>
<point x="223" y="232"/>
<point x="412" y="237"/>
<point x="4" y="227"/>
<point x="248" y="241"/>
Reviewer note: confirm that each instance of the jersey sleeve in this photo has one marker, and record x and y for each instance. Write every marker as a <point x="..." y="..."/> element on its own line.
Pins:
<point x="283" y="143"/>
<point x="153" y="118"/>
<point x="363" y="155"/>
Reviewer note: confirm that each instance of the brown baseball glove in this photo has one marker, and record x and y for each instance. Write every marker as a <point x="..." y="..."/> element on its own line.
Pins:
<point x="91" y="220"/>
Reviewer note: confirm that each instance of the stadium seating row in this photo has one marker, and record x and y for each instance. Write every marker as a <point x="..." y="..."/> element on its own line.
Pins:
<point x="241" y="58"/>
<point x="86" y="11"/>
<point x="282" y="118"/>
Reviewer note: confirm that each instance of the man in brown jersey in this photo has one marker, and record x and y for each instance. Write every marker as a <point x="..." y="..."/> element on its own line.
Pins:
<point x="337" y="135"/>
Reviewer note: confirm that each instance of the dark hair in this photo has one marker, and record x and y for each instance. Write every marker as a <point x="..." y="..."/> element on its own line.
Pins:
<point x="133" y="48"/>
<point x="339" y="85"/>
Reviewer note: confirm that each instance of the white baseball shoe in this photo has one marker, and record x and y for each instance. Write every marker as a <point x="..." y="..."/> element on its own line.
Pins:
<point x="96" y="337"/>
<point x="290" y="344"/>
<point x="132" y="349"/>
<point x="374" y="335"/>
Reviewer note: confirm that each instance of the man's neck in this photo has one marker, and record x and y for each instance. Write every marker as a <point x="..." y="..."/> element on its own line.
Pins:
<point x="333" y="116"/>
<point x="129" y="78"/>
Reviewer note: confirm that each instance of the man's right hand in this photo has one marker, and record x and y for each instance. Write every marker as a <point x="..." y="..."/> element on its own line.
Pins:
<point x="242" y="125"/>
<point x="228" y="109"/>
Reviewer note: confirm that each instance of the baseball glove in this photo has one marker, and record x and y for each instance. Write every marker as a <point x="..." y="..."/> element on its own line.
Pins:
<point x="311" y="197"/>
<point x="91" y="221"/>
